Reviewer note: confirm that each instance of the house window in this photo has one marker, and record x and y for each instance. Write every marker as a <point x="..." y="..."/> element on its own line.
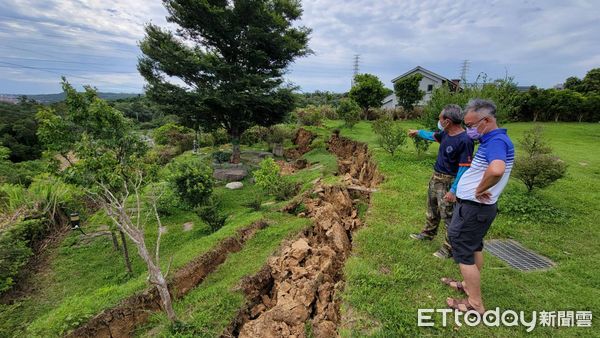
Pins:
<point x="429" y="88"/>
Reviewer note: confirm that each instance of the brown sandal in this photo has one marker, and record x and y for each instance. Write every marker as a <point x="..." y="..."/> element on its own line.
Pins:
<point x="459" y="286"/>
<point x="455" y="304"/>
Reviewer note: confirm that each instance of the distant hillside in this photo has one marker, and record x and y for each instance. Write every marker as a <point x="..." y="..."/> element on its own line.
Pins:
<point x="51" y="98"/>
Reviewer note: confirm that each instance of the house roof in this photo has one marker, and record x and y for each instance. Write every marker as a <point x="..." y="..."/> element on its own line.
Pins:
<point x="426" y="71"/>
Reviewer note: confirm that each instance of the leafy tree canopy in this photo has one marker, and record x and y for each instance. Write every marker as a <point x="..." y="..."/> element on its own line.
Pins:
<point x="229" y="58"/>
<point x="368" y="91"/>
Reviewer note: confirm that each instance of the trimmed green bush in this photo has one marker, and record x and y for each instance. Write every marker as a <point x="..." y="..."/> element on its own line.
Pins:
<point x="172" y="134"/>
<point x="254" y="135"/>
<point x="349" y="111"/>
<point x="212" y="214"/>
<point x="192" y="180"/>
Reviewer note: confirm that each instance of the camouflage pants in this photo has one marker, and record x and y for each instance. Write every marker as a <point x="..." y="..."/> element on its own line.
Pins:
<point x="437" y="208"/>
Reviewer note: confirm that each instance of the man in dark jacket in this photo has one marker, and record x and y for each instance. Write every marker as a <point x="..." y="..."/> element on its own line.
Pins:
<point x="454" y="158"/>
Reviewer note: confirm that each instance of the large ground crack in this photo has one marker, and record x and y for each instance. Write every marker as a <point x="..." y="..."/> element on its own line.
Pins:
<point x="297" y="288"/>
<point x="122" y="320"/>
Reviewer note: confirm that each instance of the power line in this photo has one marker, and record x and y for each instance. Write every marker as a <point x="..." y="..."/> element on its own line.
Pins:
<point x="61" y="74"/>
<point x="57" y="61"/>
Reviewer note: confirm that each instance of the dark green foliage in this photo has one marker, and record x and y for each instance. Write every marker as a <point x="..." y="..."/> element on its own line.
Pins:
<point x="318" y="98"/>
<point x="368" y="91"/>
<point x="349" y="111"/>
<point x="16" y="249"/>
<point x="538" y="168"/>
<point x="254" y="135"/>
<point x="232" y="54"/>
<point x="140" y="109"/>
<point x="421" y="145"/>
<point x="192" y="180"/>
<point x="18" y="130"/>
<point x="175" y="135"/>
<point x="308" y="116"/>
<point x="220" y="156"/>
<point x="211" y="213"/>
<point x="220" y="136"/>
<point x="279" y="133"/>
<point x="206" y="140"/>
<point x="408" y="92"/>
<point x="389" y="134"/>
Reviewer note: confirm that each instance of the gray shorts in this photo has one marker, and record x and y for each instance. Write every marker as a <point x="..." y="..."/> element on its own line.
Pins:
<point x="470" y="222"/>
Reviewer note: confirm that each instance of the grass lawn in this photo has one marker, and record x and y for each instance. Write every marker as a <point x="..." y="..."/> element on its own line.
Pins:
<point x="390" y="276"/>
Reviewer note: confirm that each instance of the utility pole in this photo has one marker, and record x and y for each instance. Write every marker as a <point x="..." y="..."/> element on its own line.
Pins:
<point x="356" y="63"/>
<point x="464" y="70"/>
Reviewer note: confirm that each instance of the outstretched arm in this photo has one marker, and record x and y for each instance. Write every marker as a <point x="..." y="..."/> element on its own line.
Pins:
<point x="424" y="134"/>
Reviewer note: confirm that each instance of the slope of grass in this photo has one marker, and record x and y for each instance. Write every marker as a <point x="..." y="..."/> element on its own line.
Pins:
<point x="84" y="279"/>
<point x="391" y="276"/>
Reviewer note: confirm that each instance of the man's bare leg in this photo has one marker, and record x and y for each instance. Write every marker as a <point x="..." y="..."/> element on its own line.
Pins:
<point x="472" y="278"/>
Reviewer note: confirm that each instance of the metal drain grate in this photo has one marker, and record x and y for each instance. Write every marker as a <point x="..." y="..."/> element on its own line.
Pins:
<point x="516" y="255"/>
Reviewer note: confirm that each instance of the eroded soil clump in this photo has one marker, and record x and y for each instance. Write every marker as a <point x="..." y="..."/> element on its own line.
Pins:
<point x="298" y="286"/>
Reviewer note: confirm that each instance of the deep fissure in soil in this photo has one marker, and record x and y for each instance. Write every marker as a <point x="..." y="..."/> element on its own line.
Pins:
<point x="298" y="287"/>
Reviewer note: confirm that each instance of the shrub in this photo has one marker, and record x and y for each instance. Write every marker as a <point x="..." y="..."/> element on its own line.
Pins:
<point x="220" y="136"/>
<point x="308" y="116"/>
<point x="539" y="168"/>
<point x="421" y="145"/>
<point x="328" y="112"/>
<point x="221" y="156"/>
<point x="254" y="135"/>
<point x="167" y="200"/>
<point x="349" y="111"/>
<point x="267" y="175"/>
<point x="192" y="180"/>
<point x="375" y="114"/>
<point x="268" y="179"/>
<point x="16" y="249"/>
<point x="206" y="140"/>
<point x="284" y="189"/>
<point x="172" y="134"/>
<point x="211" y="214"/>
<point x="279" y="133"/>
<point x="390" y="135"/>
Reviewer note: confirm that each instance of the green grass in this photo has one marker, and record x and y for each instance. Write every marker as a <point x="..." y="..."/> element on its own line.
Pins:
<point x="390" y="276"/>
<point x="209" y="308"/>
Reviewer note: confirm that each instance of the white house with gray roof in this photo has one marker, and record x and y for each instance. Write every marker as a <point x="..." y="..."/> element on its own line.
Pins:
<point x="429" y="82"/>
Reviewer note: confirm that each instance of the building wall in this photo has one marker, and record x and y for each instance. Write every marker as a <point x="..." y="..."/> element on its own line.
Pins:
<point x="391" y="101"/>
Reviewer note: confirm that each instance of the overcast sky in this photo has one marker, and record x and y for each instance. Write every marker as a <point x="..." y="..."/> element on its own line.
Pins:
<point x="95" y="41"/>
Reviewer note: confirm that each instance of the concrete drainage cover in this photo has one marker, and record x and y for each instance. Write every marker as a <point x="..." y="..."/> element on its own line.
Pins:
<point x="516" y="255"/>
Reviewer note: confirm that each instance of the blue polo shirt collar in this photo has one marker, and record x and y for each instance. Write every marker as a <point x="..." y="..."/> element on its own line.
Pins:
<point x="492" y="134"/>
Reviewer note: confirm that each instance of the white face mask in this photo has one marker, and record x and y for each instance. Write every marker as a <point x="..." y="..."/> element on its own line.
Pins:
<point x="440" y="127"/>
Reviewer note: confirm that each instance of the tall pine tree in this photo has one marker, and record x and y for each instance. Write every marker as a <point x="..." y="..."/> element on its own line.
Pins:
<point x="223" y="66"/>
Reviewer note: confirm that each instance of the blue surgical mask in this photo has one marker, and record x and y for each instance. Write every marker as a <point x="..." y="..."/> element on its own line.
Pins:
<point x="473" y="133"/>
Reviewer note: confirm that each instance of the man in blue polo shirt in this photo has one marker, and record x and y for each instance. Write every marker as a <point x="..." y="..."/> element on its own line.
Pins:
<point x="477" y="193"/>
<point x="454" y="157"/>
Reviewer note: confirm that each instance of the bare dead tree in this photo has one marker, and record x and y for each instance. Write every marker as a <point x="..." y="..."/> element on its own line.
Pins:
<point x="128" y="221"/>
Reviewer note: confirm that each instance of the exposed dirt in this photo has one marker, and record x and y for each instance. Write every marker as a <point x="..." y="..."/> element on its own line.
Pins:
<point x="121" y="320"/>
<point x="298" y="286"/>
<point x="302" y="140"/>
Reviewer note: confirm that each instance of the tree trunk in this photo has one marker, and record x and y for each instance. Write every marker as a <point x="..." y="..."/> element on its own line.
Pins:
<point x="156" y="278"/>
<point x="235" y="147"/>
<point x="126" y="254"/>
<point x="115" y="242"/>
<point x="556" y="117"/>
<point x="535" y="117"/>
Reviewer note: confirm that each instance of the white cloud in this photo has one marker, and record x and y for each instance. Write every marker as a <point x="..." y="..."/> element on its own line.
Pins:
<point x="539" y="42"/>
